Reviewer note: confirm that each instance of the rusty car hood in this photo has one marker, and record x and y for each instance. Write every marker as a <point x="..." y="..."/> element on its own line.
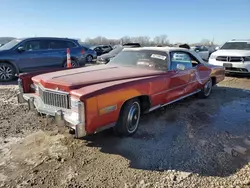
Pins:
<point x="67" y="80"/>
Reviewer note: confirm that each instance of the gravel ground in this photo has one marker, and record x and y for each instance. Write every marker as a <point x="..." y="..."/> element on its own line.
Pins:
<point x="193" y="143"/>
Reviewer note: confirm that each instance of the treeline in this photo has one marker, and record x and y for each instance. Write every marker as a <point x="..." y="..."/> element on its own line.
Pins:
<point x="143" y="40"/>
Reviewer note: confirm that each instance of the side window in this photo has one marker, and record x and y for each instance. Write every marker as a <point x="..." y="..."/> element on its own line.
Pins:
<point x="57" y="44"/>
<point x="34" y="45"/>
<point x="180" y="59"/>
<point x="70" y="44"/>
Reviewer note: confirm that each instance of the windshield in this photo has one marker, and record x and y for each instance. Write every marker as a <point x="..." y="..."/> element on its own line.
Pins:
<point x="151" y="59"/>
<point x="236" y="46"/>
<point x="10" y="44"/>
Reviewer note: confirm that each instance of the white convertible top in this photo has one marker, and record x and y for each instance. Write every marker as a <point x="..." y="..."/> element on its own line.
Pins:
<point x="167" y="50"/>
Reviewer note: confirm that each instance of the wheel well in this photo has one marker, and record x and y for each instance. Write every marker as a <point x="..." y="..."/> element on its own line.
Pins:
<point x="8" y="62"/>
<point x="144" y="103"/>
<point x="213" y="80"/>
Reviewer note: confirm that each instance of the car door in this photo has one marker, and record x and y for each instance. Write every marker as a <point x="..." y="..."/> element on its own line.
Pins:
<point x="181" y="74"/>
<point x="33" y="56"/>
<point x="58" y="52"/>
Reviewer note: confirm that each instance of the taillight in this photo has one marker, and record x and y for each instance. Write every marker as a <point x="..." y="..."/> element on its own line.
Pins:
<point x="82" y="52"/>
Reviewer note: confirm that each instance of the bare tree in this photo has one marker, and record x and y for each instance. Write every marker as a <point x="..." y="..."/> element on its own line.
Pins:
<point x="125" y="39"/>
<point x="205" y="42"/>
<point x="143" y="40"/>
<point x="161" y="40"/>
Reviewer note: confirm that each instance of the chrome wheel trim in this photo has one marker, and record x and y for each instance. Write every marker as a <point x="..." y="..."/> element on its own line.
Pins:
<point x="74" y="64"/>
<point x="133" y="117"/>
<point x="208" y="88"/>
<point x="5" y="72"/>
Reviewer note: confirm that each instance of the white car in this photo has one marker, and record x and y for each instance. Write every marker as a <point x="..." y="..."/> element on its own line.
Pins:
<point x="234" y="55"/>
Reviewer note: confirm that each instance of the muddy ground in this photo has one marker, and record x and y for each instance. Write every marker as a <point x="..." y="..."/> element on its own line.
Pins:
<point x="193" y="143"/>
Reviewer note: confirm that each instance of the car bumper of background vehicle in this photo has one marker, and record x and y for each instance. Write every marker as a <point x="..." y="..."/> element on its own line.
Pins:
<point x="75" y="119"/>
<point x="101" y="62"/>
<point x="236" y="67"/>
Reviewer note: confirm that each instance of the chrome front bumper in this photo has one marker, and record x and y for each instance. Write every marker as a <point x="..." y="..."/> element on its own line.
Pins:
<point x="76" y="119"/>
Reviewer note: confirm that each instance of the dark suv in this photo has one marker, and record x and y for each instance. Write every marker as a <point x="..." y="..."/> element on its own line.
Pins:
<point x="31" y="54"/>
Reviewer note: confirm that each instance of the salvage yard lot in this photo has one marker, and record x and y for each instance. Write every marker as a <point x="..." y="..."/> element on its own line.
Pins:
<point x="193" y="143"/>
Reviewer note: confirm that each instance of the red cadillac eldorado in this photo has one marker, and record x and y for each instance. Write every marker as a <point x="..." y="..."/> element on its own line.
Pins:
<point x="135" y="82"/>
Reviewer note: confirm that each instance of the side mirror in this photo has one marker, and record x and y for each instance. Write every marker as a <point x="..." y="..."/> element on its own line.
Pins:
<point x="180" y="67"/>
<point x="20" y="49"/>
<point x="217" y="48"/>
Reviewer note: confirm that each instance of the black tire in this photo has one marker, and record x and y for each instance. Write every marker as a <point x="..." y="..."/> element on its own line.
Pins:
<point x="129" y="119"/>
<point x="74" y="63"/>
<point x="89" y="58"/>
<point x="206" y="90"/>
<point x="7" y="72"/>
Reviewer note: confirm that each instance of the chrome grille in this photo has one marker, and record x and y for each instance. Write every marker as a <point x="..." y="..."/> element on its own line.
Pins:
<point x="229" y="58"/>
<point x="54" y="98"/>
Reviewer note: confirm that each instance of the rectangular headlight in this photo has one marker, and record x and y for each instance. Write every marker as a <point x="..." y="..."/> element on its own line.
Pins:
<point x="212" y="56"/>
<point x="34" y="87"/>
<point x="74" y="102"/>
<point x="77" y="110"/>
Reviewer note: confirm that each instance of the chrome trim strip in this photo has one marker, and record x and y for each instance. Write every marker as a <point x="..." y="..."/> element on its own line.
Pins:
<point x="108" y="109"/>
<point x="110" y="125"/>
<point x="51" y="90"/>
<point x="162" y="105"/>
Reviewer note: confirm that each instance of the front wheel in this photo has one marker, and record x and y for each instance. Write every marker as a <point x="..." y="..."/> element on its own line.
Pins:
<point x="206" y="90"/>
<point x="129" y="118"/>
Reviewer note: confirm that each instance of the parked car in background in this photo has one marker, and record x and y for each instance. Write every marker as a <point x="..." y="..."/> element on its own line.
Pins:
<point x="204" y="51"/>
<point x="31" y="54"/>
<point x="135" y="82"/>
<point x="101" y="49"/>
<point x="105" y="58"/>
<point x="132" y="44"/>
<point x="234" y="55"/>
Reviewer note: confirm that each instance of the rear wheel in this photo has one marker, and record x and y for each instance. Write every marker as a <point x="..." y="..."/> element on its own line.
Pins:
<point x="89" y="58"/>
<point x="206" y="90"/>
<point x="7" y="72"/>
<point x="129" y="118"/>
<point x="74" y="63"/>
